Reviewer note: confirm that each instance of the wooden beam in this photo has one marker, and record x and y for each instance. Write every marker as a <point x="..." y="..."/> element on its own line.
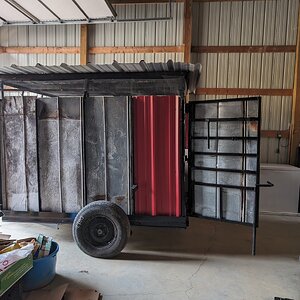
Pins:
<point x="243" y="49"/>
<point x="92" y="50"/>
<point x="284" y="134"/>
<point x="83" y="44"/>
<point x="130" y="49"/>
<point x="40" y="50"/>
<point x="244" y="92"/>
<point x="295" y="124"/>
<point x="187" y="35"/>
<point x="187" y="31"/>
<point x="228" y="0"/>
<point x="122" y="2"/>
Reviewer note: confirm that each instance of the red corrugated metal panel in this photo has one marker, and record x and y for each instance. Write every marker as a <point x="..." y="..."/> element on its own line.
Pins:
<point x="186" y="131"/>
<point x="157" y="155"/>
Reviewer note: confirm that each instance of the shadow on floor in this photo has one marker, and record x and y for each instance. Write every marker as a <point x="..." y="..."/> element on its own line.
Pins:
<point x="275" y="236"/>
<point x="138" y="256"/>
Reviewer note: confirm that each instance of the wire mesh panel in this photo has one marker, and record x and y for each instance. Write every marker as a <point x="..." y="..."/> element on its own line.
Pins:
<point x="224" y="159"/>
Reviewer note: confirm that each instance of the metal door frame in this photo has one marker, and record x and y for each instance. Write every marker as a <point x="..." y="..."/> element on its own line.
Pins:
<point x="191" y="162"/>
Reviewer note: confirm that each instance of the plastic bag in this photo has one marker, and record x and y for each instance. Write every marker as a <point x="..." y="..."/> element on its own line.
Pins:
<point x="7" y="259"/>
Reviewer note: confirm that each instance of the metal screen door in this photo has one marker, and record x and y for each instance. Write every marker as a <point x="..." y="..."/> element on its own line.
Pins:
<point x="224" y="159"/>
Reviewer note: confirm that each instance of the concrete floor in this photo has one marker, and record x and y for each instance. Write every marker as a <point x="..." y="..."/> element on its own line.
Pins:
<point x="209" y="260"/>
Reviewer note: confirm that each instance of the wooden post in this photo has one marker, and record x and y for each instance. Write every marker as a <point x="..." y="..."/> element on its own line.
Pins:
<point x="295" y="124"/>
<point x="187" y="35"/>
<point x="187" y="31"/>
<point x="83" y="44"/>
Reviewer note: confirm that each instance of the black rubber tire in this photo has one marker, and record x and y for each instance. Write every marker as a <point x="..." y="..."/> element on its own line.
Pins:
<point x="101" y="229"/>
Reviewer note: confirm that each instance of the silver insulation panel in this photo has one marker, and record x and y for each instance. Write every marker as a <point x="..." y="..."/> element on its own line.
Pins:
<point x="60" y="153"/>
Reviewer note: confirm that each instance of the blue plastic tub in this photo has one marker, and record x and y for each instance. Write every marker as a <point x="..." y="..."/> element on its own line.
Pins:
<point x="43" y="271"/>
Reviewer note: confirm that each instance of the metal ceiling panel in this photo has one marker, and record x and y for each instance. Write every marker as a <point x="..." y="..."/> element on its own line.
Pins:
<point x="66" y="9"/>
<point x="37" y="9"/>
<point x="23" y="12"/>
<point x="10" y="14"/>
<point x="96" y="9"/>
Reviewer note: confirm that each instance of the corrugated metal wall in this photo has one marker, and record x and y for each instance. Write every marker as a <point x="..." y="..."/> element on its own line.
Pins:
<point x="43" y="36"/>
<point x="159" y="33"/>
<point x="156" y="141"/>
<point x="237" y="23"/>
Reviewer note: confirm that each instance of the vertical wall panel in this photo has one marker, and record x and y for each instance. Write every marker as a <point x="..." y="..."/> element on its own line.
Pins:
<point x="291" y="32"/>
<point x="49" y="154"/>
<point x="139" y="37"/>
<point x="150" y="28"/>
<point x="258" y="22"/>
<point x="156" y="160"/>
<point x="106" y="144"/>
<point x="19" y="154"/>
<point x="70" y="153"/>
<point x="95" y="145"/>
<point x="14" y="143"/>
<point x="116" y="112"/>
<point x="31" y="153"/>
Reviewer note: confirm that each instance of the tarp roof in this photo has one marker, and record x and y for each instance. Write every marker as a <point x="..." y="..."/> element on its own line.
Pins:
<point x="109" y="79"/>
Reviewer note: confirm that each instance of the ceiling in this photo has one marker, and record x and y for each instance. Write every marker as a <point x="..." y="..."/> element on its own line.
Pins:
<point x="37" y="12"/>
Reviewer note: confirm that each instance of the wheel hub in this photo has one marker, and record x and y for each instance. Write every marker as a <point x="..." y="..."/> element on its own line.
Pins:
<point x="100" y="231"/>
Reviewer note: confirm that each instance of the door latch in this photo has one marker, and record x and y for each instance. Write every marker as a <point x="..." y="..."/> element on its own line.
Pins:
<point x="268" y="184"/>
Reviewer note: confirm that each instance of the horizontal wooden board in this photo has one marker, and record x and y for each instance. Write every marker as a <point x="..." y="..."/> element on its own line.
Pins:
<point x="164" y="1"/>
<point x="244" y="92"/>
<point x="92" y="50"/>
<point x="40" y="50"/>
<point x="244" y="49"/>
<point x="132" y="49"/>
<point x="285" y="134"/>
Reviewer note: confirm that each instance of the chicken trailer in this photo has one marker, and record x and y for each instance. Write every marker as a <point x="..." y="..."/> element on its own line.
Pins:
<point x="107" y="146"/>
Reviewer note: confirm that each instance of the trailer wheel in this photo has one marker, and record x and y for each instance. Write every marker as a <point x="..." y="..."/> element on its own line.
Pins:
<point x="101" y="229"/>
